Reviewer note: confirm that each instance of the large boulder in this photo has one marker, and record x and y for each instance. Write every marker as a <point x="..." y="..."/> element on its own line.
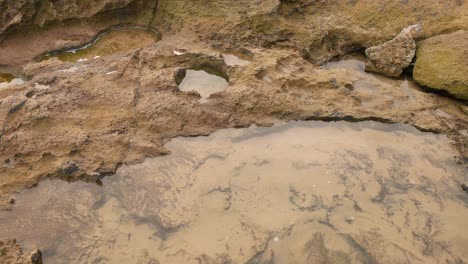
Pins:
<point x="442" y="63"/>
<point x="393" y="56"/>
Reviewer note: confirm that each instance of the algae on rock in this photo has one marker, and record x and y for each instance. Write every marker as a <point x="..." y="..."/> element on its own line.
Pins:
<point x="442" y="64"/>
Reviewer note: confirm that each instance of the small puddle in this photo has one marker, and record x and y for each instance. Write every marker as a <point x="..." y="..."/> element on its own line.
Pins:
<point x="304" y="192"/>
<point x="8" y="79"/>
<point x="203" y="82"/>
<point x="233" y="60"/>
<point x="357" y="64"/>
<point x="109" y="42"/>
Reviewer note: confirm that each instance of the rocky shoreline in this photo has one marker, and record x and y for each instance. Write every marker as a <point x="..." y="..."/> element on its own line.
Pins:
<point x="82" y="120"/>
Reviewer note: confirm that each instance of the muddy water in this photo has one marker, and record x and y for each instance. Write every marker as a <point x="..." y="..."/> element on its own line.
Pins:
<point x="305" y="192"/>
<point x="204" y="83"/>
<point x="109" y="42"/>
<point x="366" y="85"/>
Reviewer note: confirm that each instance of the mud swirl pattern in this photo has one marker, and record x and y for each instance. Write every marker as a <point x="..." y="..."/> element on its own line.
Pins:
<point x="305" y="192"/>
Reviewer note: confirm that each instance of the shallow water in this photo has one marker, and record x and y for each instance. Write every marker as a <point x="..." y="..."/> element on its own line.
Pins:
<point x="112" y="41"/>
<point x="370" y="95"/>
<point x="7" y="79"/>
<point x="304" y="192"/>
<point x="233" y="60"/>
<point x="204" y="83"/>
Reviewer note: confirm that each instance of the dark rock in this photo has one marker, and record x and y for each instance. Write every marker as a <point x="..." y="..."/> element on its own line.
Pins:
<point x="36" y="257"/>
<point x="464" y="188"/>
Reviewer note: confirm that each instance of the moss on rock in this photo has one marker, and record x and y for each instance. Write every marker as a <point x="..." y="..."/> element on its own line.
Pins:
<point x="442" y="63"/>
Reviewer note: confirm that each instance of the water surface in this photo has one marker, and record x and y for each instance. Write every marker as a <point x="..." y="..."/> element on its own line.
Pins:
<point x="304" y="192"/>
<point x="203" y="82"/>
<point x="109" y="42"/>
<point x="8" y="79"/>
<point x="233" y="60"/>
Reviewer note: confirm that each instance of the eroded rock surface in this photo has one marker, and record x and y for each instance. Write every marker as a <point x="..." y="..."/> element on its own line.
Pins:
<point x="442" y="64"/>
<point x="82" y="120"/>
<point x="37" y="12"/>
<point x="97" y="114"/>
<point x="10" y="252"/>
<point x="392" y="57"/>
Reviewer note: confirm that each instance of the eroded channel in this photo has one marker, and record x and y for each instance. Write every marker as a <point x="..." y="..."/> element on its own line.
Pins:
<point x="113" y="40"/>
<point x="303" y="192"/>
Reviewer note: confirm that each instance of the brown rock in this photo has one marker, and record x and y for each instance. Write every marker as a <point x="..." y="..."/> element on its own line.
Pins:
<point x="11" y="253"/>
<point x="392" y="57"/>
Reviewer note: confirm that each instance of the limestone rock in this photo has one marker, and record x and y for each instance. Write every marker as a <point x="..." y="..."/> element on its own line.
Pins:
<point x="442" y="64"/>
<point x="392" y="57"/>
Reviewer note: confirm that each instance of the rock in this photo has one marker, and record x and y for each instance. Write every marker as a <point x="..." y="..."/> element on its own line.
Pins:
<point x="42" y="12"/>
<point x="68" y="168"/>
<point x="36" y="257"/>
<point x="392" y="57"/>
<point x="464" y="188"/>
<point x="10" y="252"/>
<point x="442" y="64"/>
<point x="464" y="109"/>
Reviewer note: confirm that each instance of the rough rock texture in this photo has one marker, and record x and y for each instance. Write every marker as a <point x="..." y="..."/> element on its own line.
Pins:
<point x="392" y="57"/>
<point x="81" y="120"/>
<point x="442" y="64"/>
<point x="58" y="25"/>
<point x="320" y="30"/>
<point x="11" y="253"/>
<point x="37" y="12"/>
<point x="325" y="29"/>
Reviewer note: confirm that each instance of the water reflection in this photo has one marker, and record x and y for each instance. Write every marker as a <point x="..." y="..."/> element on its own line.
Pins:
<point x="305" y="192"/>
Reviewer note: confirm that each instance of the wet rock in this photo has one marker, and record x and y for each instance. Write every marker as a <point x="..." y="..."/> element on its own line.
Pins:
<point x="36" y="257"/>
<point x="464" y="109"/>
<point x="68" y="168"/>
<point x="392" y="57"/>
<point x="464" y="188"/>
<point x="10" y="252"/>
<point x="442" y="63"/>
